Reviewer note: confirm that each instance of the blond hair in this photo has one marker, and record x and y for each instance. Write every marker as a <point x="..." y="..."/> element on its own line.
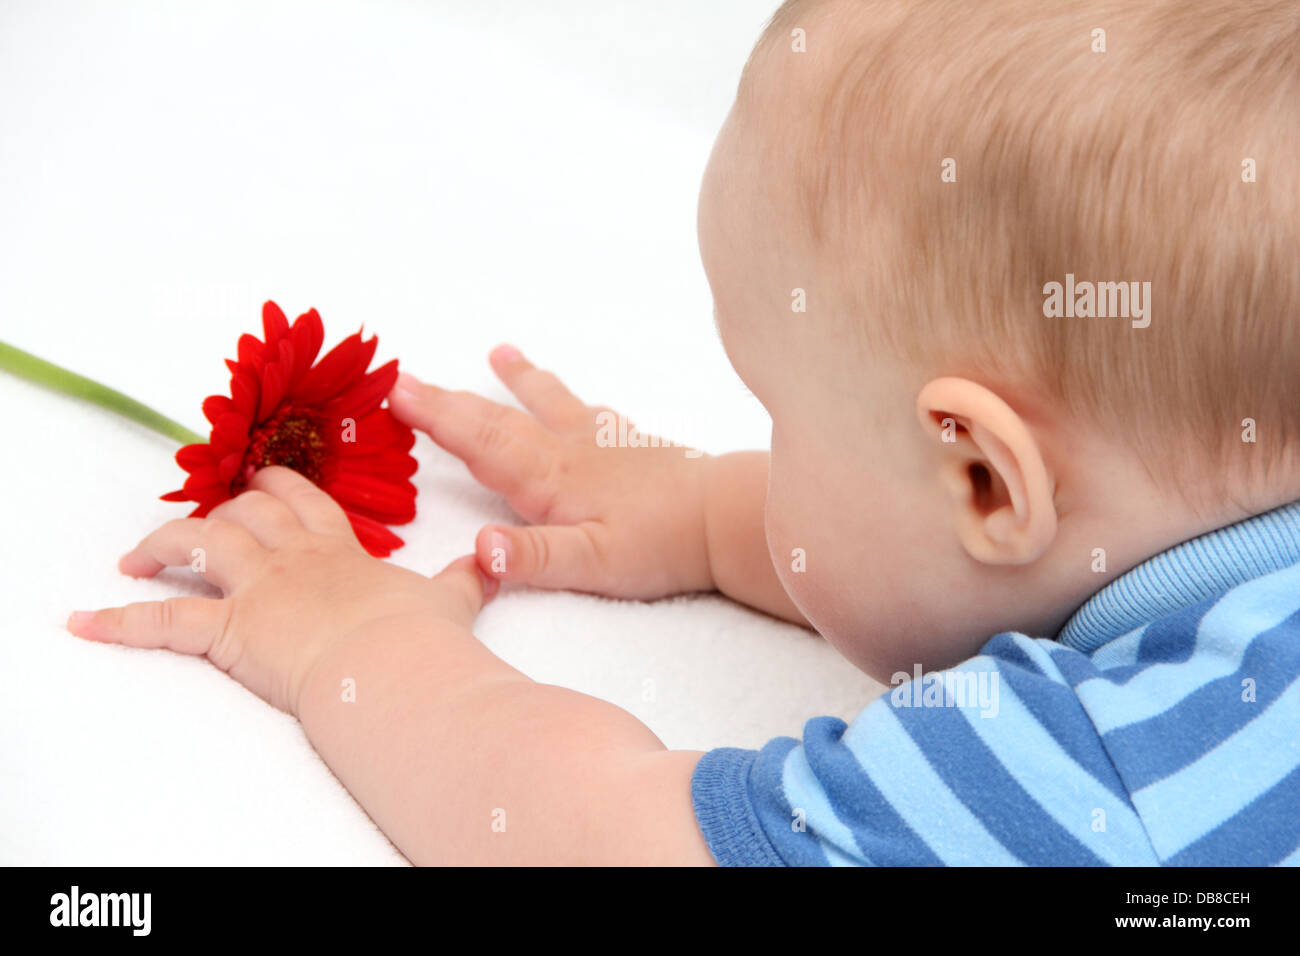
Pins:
<point x="1123" y="165"/>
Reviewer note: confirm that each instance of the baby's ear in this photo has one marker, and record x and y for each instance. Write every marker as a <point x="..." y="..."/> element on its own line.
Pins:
<point x="993" y="470"/>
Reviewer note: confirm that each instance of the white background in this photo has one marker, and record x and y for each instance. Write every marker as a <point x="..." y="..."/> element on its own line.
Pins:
<point x="452" y="175"/>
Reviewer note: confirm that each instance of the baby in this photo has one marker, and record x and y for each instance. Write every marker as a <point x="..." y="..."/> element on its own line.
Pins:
<point x="1018" y="285"/>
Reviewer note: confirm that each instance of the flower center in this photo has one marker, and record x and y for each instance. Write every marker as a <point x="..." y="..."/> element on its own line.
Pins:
<point x="293" y="438"/>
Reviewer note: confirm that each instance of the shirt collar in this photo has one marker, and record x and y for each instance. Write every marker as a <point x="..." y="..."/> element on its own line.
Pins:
<point x="1187" y="573"/>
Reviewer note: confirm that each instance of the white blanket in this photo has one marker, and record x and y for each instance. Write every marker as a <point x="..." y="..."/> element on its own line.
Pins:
<point x="452" y="175"/>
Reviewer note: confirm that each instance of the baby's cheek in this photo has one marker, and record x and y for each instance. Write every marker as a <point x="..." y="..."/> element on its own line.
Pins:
<point x="794" y="556"/>
<point x="820" y="571"/>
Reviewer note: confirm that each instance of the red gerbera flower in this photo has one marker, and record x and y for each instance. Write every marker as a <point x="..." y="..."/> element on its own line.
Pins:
<point x="324" y="421"/>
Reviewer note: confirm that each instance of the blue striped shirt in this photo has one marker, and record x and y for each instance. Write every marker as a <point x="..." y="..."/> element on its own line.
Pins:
<point x="1160" y="727"/>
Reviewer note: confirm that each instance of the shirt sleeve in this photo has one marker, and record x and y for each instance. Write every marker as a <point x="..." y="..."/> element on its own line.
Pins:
<point x="994" y="762"/>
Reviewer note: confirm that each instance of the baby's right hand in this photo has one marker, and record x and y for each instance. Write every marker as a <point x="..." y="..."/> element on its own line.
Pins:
<point x="625" y="522"/>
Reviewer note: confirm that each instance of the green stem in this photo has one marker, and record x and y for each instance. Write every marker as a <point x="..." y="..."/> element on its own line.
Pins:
<point x="28" y="366"/>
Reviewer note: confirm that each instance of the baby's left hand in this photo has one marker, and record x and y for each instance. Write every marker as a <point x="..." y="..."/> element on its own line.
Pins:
<point x="296" y="582"/>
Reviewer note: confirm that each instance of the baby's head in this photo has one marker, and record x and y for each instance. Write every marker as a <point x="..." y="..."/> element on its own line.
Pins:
<point x="958" y="448"/>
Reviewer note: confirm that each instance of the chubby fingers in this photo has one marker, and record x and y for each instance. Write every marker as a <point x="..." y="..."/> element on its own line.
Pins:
<point x="188" y="625"/>
<point x="266" y="517"/>
<point x="545" y="556"/>
<point x="316" y="510"/>
<point x="504" y="448"/>
<point x="222" y="551"/>
<point x="466" y="588"/>
<point x="541" y="392"/>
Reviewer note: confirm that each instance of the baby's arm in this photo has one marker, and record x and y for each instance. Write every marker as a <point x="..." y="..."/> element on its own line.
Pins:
<point x="457" y="756"/>
<point x="639" y="522"/>
<point x="460" y="759"/>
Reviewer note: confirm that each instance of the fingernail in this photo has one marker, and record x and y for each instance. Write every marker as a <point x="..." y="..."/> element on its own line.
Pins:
<point x="407" y="383"/>
<point x="129" y="564"/>
<point x="506" y="353"/>
<point x="498" y="552"/>
<point x="78" y="621"/>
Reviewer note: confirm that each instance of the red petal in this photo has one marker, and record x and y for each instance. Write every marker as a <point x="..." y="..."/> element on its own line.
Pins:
<point x="252" y="354"/>
<point x="230" y="433"/>
<point x="202" y="478"/>
<point x="382" y="461"/>
<point x="274" y="381"/>
<point x="214" y="406"/>
<point x="228" y="467"/>
<point x="377" y="431"/>
<point x="194" y="457"/>
<point x="274" y="325"/>
<point x="243" y="392"/>
<point x="307" y="335"/>
<point x="206" y="506"/>
<point x="374" y="537"/>
<point x="339" y="369"/>
<point x="208" y="498"/>
<point x="376" y="496"/>
<point x="364" y="397"/>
